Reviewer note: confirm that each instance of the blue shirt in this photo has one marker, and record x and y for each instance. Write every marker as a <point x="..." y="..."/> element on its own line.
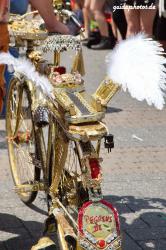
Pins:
<point x="18" y="6"/>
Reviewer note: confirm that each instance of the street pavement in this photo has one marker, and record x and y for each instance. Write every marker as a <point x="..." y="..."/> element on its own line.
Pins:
<point x="134" y="173"/>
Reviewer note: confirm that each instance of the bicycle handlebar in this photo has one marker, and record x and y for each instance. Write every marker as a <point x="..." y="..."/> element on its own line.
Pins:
<point x="71" y="15"/>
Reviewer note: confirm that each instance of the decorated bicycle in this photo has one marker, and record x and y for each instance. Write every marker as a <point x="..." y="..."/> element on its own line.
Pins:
<point x="55" y="130"/>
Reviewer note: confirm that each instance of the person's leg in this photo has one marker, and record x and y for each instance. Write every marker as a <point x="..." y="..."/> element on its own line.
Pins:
<point x="45" y="9"/>
<point x="120" y="21"/>
<point x="161" y="31"/>
<point x="114" y="28"/>
<point x="106" y="42"/>
<point x="133" y="21"/>
<point x="147" y="18"/>
<point x="97" y="9"/>
<point x="86" y="14"/>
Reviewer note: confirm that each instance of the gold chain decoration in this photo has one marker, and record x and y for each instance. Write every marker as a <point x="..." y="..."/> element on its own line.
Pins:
<point x="61" y="43"/>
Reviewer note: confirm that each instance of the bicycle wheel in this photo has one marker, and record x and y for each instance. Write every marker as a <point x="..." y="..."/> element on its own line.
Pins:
<point x="71" y="190"/>
<point x="67" y="178"/>
<point x="21" y="141"/>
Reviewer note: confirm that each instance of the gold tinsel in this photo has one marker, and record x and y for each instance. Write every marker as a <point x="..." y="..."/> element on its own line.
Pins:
<point x="78" y="64"/>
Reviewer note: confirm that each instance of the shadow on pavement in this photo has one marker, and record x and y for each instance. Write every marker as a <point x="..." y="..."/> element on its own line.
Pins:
<point x="113" y="110"/>
<point x="143" y="223"/>
<point x="20" y="234"/>
<point x="37" y="209"/>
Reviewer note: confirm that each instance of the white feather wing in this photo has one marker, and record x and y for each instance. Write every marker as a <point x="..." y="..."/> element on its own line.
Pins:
<point x="25" y="67"/>
<point x="137" y="64"/>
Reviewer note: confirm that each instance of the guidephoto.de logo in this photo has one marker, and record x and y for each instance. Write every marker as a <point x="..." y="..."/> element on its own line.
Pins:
<point x="134" y="6"/>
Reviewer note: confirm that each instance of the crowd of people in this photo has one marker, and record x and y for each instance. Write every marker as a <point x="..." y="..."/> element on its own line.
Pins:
<point x="127" y="17"/>
<point x="105" y="21"/>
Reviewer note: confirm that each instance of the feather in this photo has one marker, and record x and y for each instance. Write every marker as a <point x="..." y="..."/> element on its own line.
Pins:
<point x="137" y="65"/>
<point x="25" y="67"/>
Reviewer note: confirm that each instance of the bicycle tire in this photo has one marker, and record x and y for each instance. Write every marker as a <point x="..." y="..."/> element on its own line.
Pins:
<point x="17" y="116"/>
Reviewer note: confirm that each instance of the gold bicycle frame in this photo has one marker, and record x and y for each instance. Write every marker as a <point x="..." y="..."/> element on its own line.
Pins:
<point x="66" y="124"/>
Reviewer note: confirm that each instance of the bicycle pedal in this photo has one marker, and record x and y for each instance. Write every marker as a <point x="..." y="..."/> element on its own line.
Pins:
<point x="26" y="188"/>
<point x="41" y="116"/>
<point x="44" y="243"/>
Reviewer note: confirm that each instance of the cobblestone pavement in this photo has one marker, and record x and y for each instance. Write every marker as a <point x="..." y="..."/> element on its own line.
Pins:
<point x="134" y="175"/>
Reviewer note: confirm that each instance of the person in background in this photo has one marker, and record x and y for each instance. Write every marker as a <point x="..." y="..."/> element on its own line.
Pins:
<point x="119" y="24"/>
<point x="87" y="16"/>
<point x="4" y="41"/>
<point x="77" y="4"/>
<point x="45" y="9"/>
<point x="140" y="20"/>
<point x="76" y="7"/>
<point x="47" y="12"/>
<point x="96" y="8"/>
<point x="160" y="31"/>
<point x="22" y="5"/>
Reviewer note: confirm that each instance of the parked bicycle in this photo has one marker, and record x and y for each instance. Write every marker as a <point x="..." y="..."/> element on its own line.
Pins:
<point x="55" y="130"/>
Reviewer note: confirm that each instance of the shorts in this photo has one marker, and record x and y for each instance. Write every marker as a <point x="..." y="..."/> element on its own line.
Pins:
<point x="161" y="29"/>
